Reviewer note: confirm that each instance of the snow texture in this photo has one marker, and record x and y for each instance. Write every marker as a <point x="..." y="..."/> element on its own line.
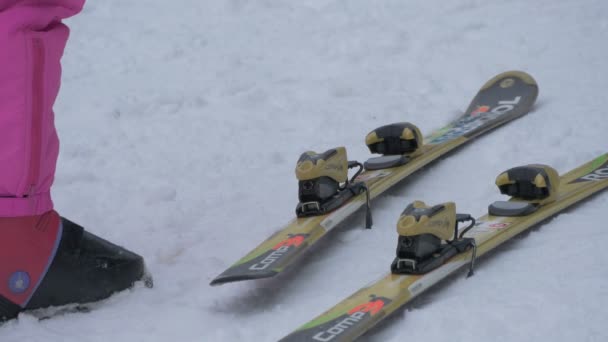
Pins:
<point x="181" y="122"/>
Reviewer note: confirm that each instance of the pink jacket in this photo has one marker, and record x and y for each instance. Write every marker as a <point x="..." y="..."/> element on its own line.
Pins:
<point x="32" y="39"/>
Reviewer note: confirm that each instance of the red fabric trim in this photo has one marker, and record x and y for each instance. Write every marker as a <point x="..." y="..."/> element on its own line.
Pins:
<point x="26" y="246"/>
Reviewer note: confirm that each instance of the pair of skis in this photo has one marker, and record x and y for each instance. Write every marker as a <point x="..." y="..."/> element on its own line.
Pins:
<point x="362" y="310"/>
<point x="504" y="98"/>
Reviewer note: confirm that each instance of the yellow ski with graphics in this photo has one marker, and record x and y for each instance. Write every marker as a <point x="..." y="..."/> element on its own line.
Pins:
<point x="538" y="193"/>
<point x="327" y="197"/>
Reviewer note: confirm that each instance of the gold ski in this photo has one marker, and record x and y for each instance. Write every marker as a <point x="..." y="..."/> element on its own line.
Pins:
<point x="365" y="308"/>
<point x="503" y="98"/>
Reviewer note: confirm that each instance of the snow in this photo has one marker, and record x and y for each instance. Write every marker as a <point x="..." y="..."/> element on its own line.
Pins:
<point x="181" y="123"/>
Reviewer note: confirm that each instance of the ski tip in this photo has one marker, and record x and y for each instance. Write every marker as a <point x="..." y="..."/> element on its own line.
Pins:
<point x="522" y="75"/>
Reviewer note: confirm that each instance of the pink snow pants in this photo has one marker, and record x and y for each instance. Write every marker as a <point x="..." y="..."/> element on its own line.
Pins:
<point x="32" y="39"/>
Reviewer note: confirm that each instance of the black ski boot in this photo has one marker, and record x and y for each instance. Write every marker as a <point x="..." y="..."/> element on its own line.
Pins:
<point x="81" y="268"/>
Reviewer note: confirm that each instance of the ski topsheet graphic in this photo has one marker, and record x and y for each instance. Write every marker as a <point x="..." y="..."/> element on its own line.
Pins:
<point x="537" y="194"/>
<point x="327" y="197"/>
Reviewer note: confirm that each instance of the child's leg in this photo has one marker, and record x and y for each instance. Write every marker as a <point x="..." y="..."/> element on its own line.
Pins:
<point x="32" y="39"/>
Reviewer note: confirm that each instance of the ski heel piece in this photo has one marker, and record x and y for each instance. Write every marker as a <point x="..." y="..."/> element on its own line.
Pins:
<point x="323" y="183"/>
<point x="529" y="186"/>
<point x="397" y="143"/>
<point x="428" y="237"/>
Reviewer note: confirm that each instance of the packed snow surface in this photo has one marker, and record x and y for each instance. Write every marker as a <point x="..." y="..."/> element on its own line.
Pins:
<point x="181" y="122"/>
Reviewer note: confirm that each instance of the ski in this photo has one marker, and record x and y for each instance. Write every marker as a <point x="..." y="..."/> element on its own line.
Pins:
<point x="430" y="246"/>
<point x="328" y="197"/>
